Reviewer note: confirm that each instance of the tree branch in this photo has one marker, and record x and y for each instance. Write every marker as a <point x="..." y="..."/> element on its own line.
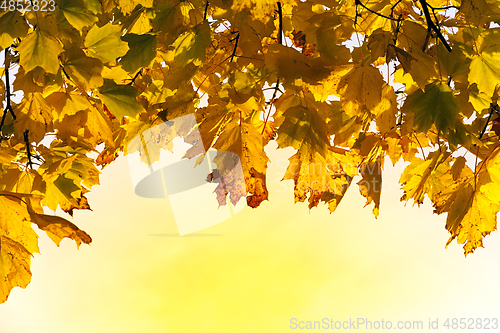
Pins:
<point x="280" y="27"/>
<point x="135" y="77"/>
<point x="235" y="46"/>
<point x="431" y="25"/>
<point x="28" y="151"/>
<point x="358" y="2"/>
<point x="206" y="10"/>
<point x="492" y="109"/>
<point x="8" y="106"/>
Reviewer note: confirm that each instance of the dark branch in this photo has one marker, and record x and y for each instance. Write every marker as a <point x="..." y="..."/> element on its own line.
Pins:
<point x="358" y="2"/>
<point x="65" y="73"/>
<point x="235" y="47"/>
<point x="8" y="107"/>
<point x="492" y="109"/>
<point x="135" y="77"/>
<point x="431" y="25"/>
<point x="206" y="10"/>
<point x="442" y="8"/>
<point x="394" y="7"/>
<point x="280" y="27"/>
<point x="28" y="151"/>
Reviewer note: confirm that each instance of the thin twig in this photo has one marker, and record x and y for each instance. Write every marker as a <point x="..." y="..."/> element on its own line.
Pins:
<point x="450" y="78"/>
<point x="487" y="121"/>
<point x="28" y="151"/>
<point x="8" y="106"/>
<point x="135" y="77"/>
<point x="235" y="47"/>
<point x="280" y="26"/>
<point x="442" y="8"/>
<point x="431" y="25"/>
<point x="421" y="149"/>
<point x="206" y="10"/>
<point x="394" y="7"/>
<point x="358" y="2"/>
<point x="276" y="88"/>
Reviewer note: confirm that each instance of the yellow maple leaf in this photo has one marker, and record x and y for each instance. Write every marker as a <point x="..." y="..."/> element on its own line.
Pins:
<point x="370" y="186"/>
<point x="40" y="49"/>
<point x="247" y="143"/>
<point x="58" y="228"/>
<point x="15" y="270"/>
<point x="360" y="90"/>
<point x="35" y="115"/>
<point x="471" y="201"/>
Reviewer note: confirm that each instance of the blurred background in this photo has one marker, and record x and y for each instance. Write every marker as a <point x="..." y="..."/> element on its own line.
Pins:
<point x="256" y="271"/>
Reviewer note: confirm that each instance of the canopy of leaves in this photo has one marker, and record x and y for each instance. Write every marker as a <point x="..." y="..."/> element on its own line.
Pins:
<point x="317" y="76"/>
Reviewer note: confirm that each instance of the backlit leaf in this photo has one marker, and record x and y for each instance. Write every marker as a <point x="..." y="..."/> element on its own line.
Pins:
<point x="142" y="50"/>
<point x="39" y="49"/>
<point x="437" y="105"/>
<point x="76" y="13"/>
<point x="191" y="46"/>
<point x="120" y="99"/>
<point x="370" y="186"/>
<point x="12" y="26"/>
<point x="104" y="43"/>
<point x="58" y="228"/>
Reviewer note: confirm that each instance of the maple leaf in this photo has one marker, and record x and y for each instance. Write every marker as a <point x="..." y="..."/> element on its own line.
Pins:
<point x="85" y="71"/>
<point x="360" y="90"/>
<point x="317" y="177"/>
<point x="315" y="169"/>
<point x="191" y="46"/>
<point x="76" y="13"/>
<point x="104" y="43"/>
<point x="243" y="140"/>
<point x="437" y="105"/>
<point x="422" y="177"/>
<point x="120" y="99"/>
<point x="58" y="228"/>
<point x="370" y="186"/>
<point x="142" y="50"/>
<point x="17" y="242"/>
<point x="12" y="26"/>
<point x="34" y="115"/>
<point x="15" y="222"/>
<point x="472" y="203"/>
<point x="14" y="266"/>
<point x="484" y="68"/>
<point x="39" y="49"/>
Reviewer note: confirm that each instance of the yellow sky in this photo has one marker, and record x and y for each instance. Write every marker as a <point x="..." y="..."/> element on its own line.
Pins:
<point x="254" y="272"/>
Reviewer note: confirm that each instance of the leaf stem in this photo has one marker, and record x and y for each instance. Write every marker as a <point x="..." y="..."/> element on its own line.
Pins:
<point x="276" y="88"/>
<point x="421" y="149"/>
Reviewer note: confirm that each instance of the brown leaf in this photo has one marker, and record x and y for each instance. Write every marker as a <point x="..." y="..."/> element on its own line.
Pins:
<point x="58" y="228"/>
